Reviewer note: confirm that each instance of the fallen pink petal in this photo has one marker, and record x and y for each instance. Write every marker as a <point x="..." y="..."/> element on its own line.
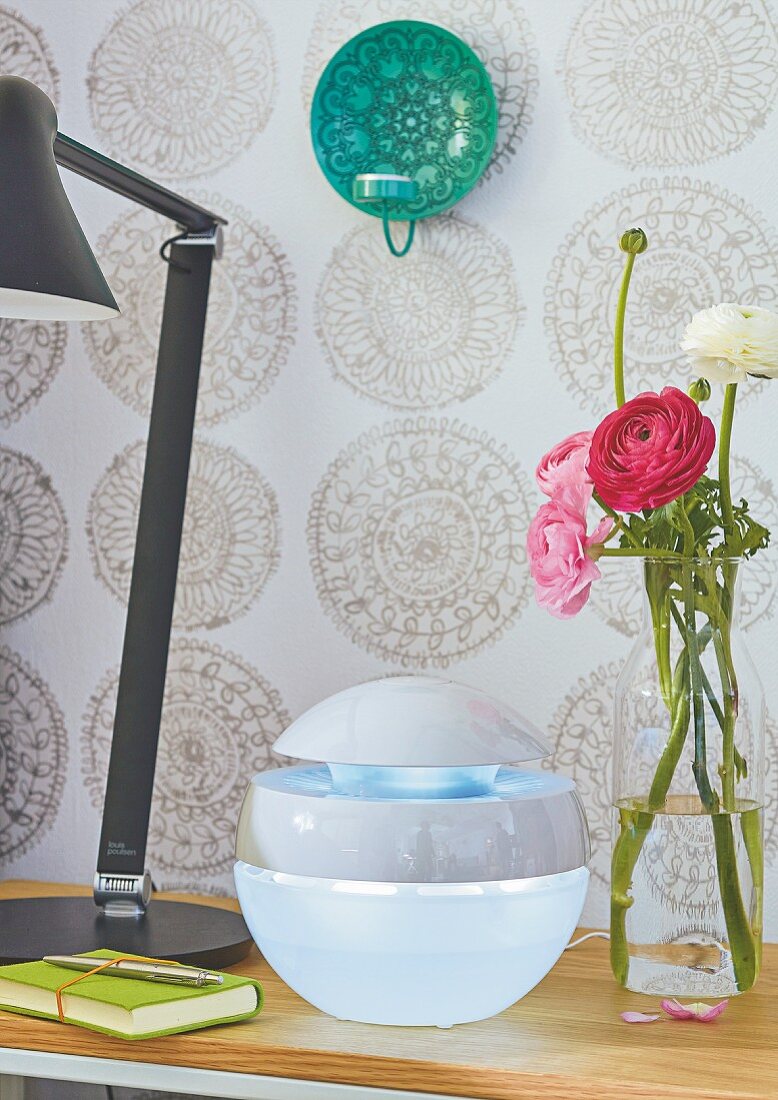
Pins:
<point x="638" y="1018"/>
<point x="712" y="1011"/>
<point x="698" y="1010"/>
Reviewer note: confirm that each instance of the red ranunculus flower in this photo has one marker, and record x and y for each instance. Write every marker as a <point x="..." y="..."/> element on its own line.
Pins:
<point x="650" y="451"/>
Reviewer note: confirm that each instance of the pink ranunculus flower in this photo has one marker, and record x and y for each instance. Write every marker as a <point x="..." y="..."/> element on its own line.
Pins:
<point x="650" y="451"/>
<point x="562" y="557"/>
<point x="561" y="473"/>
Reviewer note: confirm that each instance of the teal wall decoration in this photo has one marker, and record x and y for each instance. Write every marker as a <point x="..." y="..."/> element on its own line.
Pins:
<point x="403" y="122"/>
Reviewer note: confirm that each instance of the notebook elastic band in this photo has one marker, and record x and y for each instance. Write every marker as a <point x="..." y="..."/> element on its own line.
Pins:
<point x="103" y="966"/>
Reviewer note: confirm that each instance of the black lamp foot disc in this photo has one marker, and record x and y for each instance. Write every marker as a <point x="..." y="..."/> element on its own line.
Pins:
<point x="200" y="935"/>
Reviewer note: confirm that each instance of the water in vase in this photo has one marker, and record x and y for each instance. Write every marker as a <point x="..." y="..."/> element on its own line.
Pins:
<point x="676" y="930"/>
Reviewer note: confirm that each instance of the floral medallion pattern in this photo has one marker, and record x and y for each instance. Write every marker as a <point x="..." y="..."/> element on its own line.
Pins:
<point x="496" y="30"/>
<point x="33" y="536"/>
<point x="416" y="536"/>
<point x="582" y="731"/>
<point x="705" y="246"/>
<point x="438" y="334"/>
<point x="230" y="542"/>
<point x="178" y="88"/>
<point x="33" y="756"/>
<point x="31" y="353"/>
<point x="219" y="721"/>
<point x="434" y="331"/>
<point x="617" y="598"/>
<point x="670" y="82"/>
<point x="25" y="52"/>
<point x="252" y="310"/>
<point x="702" y="982"/>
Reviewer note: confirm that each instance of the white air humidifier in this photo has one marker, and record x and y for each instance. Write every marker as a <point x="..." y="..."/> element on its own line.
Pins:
<point x="409" y="875"/>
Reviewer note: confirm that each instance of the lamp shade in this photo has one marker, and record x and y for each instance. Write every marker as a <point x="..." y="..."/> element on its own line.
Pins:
<point x="47" y="269"/>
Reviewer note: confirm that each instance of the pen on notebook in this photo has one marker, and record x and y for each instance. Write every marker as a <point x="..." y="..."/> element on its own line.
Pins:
<point x="146" y="972"/>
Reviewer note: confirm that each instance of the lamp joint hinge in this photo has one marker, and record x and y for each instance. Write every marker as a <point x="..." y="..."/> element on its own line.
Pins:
<point x="212" y="237"/>
<point x="121" y="895"/>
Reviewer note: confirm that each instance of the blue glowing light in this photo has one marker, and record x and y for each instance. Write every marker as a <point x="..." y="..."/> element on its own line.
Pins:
<point x="383" y="782"/>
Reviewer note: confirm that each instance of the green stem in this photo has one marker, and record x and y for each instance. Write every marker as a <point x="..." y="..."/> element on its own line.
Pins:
<point x="634" y="827"/>
<point x="635" y="824"/>
<point x="671" y="753"/>
<point x="661" y="625"/>
<point x="619" y="524"/>
<point x="751" y="826"/>
<point x="633" y="552"/>
<point x="727" y="768"/>
<point x="702" y="643"/>
<point x="618" y="335"/>
<point x="728" y="676"/>
<point x="658" y="590"/>
<point x="733" y="763"/>
<point x="708" y="797"/>
<point x="725" y="441"/>
<point x="743" y="930"/>
<point x="742" y="943"/>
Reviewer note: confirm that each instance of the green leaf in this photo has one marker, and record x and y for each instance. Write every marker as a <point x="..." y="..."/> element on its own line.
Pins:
<point x="662" y="528"/>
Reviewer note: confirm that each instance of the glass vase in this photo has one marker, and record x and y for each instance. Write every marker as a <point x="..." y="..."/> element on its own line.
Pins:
<point x="688" y="789"/>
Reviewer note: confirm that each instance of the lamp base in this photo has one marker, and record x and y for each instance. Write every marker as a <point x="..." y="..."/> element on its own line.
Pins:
<point x="198" y="935"/>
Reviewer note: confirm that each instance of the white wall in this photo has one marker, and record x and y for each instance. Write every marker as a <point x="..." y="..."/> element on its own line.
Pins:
<point x="366" y="423"/>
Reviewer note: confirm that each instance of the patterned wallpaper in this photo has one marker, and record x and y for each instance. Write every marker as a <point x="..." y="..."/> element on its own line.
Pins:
<point x="367" y="427"/>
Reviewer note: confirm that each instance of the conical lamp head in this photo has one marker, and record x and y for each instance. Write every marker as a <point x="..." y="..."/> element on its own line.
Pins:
<point x="47" y="269"/>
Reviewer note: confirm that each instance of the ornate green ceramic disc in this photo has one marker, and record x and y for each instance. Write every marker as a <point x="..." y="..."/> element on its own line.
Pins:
<point x="409" y="99"/>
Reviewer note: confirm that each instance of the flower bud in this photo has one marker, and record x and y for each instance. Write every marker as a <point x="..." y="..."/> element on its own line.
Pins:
<point x="633" y="241"/>
<point x="699" y="391"/>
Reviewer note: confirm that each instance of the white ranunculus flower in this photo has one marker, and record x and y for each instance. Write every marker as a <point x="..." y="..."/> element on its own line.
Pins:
<point x="729" y="341"/>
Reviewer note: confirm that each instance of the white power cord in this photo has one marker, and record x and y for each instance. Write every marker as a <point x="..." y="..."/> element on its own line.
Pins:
<point x="588" y="936"/>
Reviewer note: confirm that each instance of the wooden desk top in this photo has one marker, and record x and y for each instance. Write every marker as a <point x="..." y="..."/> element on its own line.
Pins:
<point x="565" y="1039"/>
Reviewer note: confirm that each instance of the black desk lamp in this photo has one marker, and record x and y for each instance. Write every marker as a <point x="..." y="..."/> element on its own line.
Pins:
<point x="48" y="271"/>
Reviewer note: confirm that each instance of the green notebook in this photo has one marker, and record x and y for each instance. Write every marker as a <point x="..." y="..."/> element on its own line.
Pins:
<point x="126" y="1007"/>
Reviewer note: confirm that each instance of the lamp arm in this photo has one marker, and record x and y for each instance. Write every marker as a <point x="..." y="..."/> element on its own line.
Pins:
<point x="116" y="177"/>
<point x="122" y="885"/>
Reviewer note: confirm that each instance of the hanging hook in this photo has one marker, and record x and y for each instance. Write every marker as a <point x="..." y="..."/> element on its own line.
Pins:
<point x="388" y="234"/>
<point x="383" y="188"/>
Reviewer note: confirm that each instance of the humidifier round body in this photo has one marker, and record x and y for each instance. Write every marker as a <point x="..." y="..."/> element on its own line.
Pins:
<point x="301" y="821"/>
<point x="411" y="877"/>
<point x="406" y="953"/>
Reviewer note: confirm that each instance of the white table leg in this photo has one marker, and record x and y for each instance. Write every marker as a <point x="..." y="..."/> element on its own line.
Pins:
<point x="11" y="1088"/>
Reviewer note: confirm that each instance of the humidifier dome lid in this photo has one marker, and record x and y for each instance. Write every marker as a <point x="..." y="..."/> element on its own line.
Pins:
<point x="413" y="721"/>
